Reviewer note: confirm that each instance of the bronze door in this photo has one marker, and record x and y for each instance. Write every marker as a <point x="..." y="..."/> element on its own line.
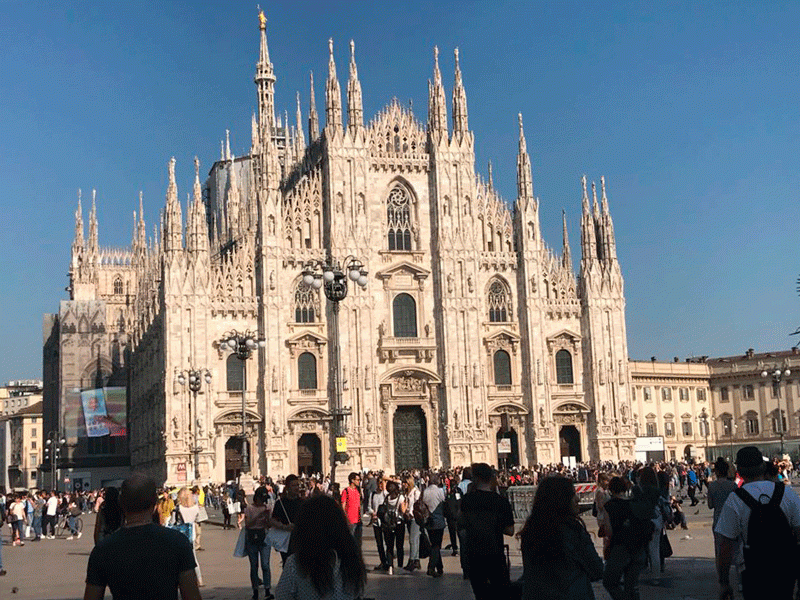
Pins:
<point x="410" y="439"/>
<point x="233" y="457"/>
<point x="309" y="454"/>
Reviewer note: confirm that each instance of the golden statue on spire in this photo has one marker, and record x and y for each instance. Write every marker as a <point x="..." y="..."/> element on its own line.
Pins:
<point x="262" y="19"/>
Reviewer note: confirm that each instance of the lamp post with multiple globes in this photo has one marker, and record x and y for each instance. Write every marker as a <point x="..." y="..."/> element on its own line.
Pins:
<point x="195" y="378"/>
<point x="330" y="274"/>
<point x="242" y="345"/>
<point x="52" y="453"/>
<point x="776" y="377"/>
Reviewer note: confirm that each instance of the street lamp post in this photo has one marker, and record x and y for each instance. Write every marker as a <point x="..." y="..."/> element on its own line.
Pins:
<point x="704" y="422"/>
<point x="334" y="278"/>
<point x="776" y="376"/>
<point x="52" y="452"/>
<point x="194" y="377"/>
<point x="242" y="345"/>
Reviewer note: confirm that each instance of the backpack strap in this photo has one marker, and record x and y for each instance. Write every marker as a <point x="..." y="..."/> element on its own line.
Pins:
<point x="745" y="496"/>
<point x="777" y="495"/>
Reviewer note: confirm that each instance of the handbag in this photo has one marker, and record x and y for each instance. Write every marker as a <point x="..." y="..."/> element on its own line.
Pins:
<point x="664" y="546"/>
<point x="279" y="538"/>
<point x="238" y="550"/>
<point x="202" y="514"/>
<point x="424" y="543"/>
<point x="177" y="523"/>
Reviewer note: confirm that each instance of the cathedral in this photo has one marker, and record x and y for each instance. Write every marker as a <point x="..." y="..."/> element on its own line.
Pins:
<point x="472" y="339"/>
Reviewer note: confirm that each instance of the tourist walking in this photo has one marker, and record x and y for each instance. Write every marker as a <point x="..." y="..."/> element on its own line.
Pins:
<point x="109" y="517"/>
<point x="558" y="556"/>
<point x="351" y="503"/>
<point x="375" y="501"/>
<point x="256" y="523"/>
<point x="434" y="497"/>
<point x="486" y="516"/>
<point x="187" y="511"/>
<point x="327" y="562"/>
<point x="392" y="521"/>
<point x="412" y="494"/>
<point x="286" y="509"/>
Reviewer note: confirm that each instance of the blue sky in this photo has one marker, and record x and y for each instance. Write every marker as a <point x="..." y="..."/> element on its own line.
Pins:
<point x="689" y="109"/>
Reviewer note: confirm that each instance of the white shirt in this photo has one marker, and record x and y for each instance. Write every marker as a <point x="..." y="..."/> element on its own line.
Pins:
<point x="735" y="515"/>
<point x="52" y="506"/>
<point x="433" y="496"/>
<point x="376" y="500"/>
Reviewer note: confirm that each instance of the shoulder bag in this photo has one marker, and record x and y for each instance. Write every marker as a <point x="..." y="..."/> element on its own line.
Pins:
<point x="279" y="538"/>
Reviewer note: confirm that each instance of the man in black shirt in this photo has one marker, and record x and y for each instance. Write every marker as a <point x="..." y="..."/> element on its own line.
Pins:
<point x="486" y="516"/>
<point x="142" y="560"/>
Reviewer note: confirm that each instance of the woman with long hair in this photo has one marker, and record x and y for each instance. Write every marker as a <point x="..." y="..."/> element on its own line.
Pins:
<point x="327" y="561"/>
<point x="412" y="494"/>
<point x="109" y="517"/>
<point x="648" y="483"/>
<point x="558" y="556"/>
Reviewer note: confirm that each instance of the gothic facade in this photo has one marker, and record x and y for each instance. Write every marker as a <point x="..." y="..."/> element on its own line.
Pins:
<point x="470" y="331"/>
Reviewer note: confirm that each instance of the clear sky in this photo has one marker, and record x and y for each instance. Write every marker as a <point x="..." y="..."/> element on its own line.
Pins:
<point x="689" y="109"/>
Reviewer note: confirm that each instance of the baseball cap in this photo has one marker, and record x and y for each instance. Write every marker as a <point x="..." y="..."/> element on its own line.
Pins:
<point x="749" y="456"/>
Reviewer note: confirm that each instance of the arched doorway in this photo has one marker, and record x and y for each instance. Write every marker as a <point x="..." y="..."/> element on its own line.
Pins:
<point x="570" y="442"/>
<point x="233" y="456"/>
<point x="309" y="454"/>
<point x="688" y="453"/>
<point x="512" y="458"/>
<point x="410" y="439"/>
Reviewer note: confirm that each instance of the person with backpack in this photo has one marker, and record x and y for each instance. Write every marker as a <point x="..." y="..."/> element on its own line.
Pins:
<point x="764" y="517"/>
<point x="486" y="516"/>
<point x="390" y="515"/>
<point x="629" y="523"/>
<point x="452" y="508"/>
<point x="375" y="501"/>
<point x="433" y="497"/>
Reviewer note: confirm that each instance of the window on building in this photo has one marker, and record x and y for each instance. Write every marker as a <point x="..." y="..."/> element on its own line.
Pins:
<point x="235" y="371"/>
<point x="778" y="423"/>
<point x="33" y="431"/>
<point x="701" y="395"/>
<point x="666" y="394"/>
<point x="404" y="311"/>
<point x="102" y="445"/>
<point x="748" y="392"/>
<point x="684" y="394"/>
<point x="686" y="428"/>
<point x="564" y="367"/>
<point x="398" y="216"/>
<point x="776" y="389"/>
<point x="652" y="430"/>
<point x="727" y="424"/>
<point x="306" y="304"/>
<point x="648" y="394"/>
<point x="723" y="394"/>
<point x="751" y="423"/>
<point x="499" y="303"/>
<point x="669" y="429"/>
<point x="703" y="427"/>
<point x="33" y="475"/>
<point x="33" y="420"/>
<point x="307" y="371"/>
<point x="118" y="286"/>
<point x="34" y="459"/>
<point x="502" y="368"/>
<point x="33" y="444"/>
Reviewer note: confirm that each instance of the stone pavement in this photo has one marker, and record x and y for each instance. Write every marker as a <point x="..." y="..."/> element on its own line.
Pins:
<point x="55" y="569"/>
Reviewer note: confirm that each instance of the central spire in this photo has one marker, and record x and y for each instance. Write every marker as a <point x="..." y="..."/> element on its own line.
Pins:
<point x="437" y="104"/>
<point x="265" y="82"/>
<point x="355" y="110"/>
<point x="333" y="94"/>
<point x="524" y="179"/>
<point x="313" y="119"/>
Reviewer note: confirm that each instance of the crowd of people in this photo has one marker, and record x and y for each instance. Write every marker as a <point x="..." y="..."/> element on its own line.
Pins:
<point x="317" y="527"/>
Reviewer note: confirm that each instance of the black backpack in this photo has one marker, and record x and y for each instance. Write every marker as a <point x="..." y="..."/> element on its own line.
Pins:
<point x="638" y="527"/>
<point x="771" y="545"/>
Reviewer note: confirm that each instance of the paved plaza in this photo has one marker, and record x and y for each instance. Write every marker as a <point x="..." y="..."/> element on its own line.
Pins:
<point x="55" y="569"/>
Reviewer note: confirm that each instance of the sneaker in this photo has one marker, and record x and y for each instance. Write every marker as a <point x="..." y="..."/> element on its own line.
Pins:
<point x="72" y="537"/>
<point x="80" y="533"/>
<point x="269" y="595"/>
<point x="21" y="543"/>
<point x="2" y="572"/>
<point x="390" y="571"/>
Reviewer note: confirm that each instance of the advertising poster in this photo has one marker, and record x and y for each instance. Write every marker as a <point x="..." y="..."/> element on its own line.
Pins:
<point x="116" y="408"/>
<point x="94" y="412"/>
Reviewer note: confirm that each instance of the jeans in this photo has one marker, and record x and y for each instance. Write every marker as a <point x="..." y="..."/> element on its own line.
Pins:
<point x="413" y="540"/>
<point x="622" y="562"/>
<point x="37" y="527"/>
<point x="356" y="530"/>
<point x="379" y="542"/>
<point x="17" y="530"/>
<point x="489" y="577"/>
<point x="394" y="544"/>
<point x="654" y="548"/>
<point x="255" y="552"/>
<point x="71" y="522"/>
<point x="435" y="563"/>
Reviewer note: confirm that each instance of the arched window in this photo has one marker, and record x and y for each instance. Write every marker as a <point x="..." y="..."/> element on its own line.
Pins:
<point x="398" y="217"/>
<point x="564" y="367"/>
<point x="118" y="285"/>
<point x="499" y="303"/>
<point x="234" y="370"/>
<point x="307" y="371"/>
<point x="502" y="368"/>
<point x="404" y="311"/>
<point x="306" y="304"/>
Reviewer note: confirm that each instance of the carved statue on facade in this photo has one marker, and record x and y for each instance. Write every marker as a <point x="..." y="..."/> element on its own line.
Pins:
<point x="470" y="284"/>
<point x="603" y="413"/>
<point x="541" y="415"/>
<point x="475" y="375"/>
<point x="449" y="283"/>
<point x="623" y="412"/>
<point x="274" y="379"/>
<point x="479" y="415"/>
<point x="175" y="427"/>
<point x="368" y="419"/>
<point x="456" y="422"/>
<point x="276" y="428"/>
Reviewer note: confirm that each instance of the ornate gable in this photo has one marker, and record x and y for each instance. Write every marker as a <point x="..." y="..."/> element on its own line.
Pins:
<point x="403" y="275"/>
<point x="306" y="341"/>
<point x="503" y="339"/>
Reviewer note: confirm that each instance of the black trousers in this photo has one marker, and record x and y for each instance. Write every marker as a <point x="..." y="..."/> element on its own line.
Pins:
<point x="394" y="544"/>
<point x="380" y="543"/>
<point x="453" y="533"/>
<point x="488" y="576"/>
